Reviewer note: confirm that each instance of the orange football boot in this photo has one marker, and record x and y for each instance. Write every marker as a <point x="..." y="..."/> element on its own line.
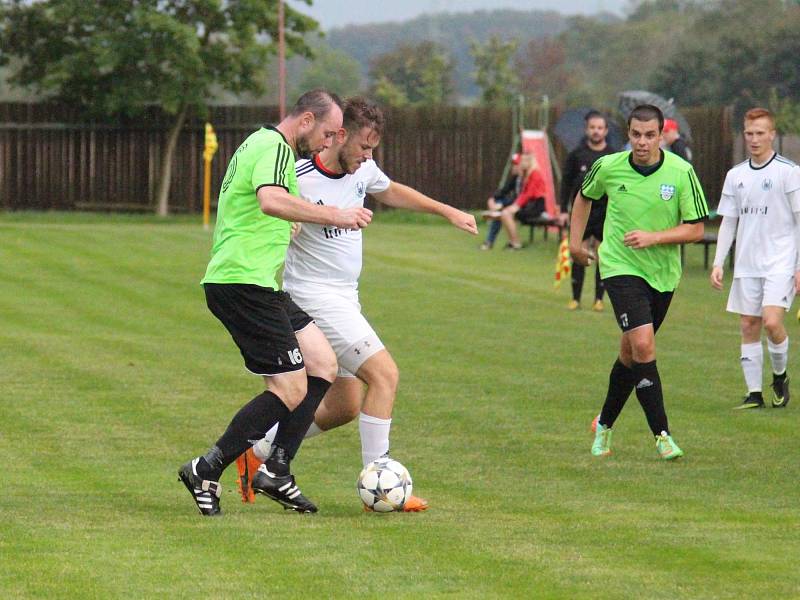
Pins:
<point x="247" y="465"/>
<point x="415" y="504"/>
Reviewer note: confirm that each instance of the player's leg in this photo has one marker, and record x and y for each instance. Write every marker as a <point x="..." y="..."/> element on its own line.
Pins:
<point x="599" y="290"/>
<point x="640" y="310"/>
<point x="621" y="377"/>
<point x="341" y="404"/>
<point x="274" y="477"/>
<point x="752" y="360"/>
<point x="262" y="331"/>
<point x="321" y="371"/>
<point x="381" y="375"/>
<point x="778" y="297"/>
<point x="745" y="299"/>
<point x="510" y="225"/>
<point x="578" y="274"/>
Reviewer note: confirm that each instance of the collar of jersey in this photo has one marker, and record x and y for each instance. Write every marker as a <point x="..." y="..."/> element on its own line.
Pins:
<point x="278" y="131"/>
<point x="321" y="168"/>
<point x="765" y="165"/>
<point x="645" y="171"/>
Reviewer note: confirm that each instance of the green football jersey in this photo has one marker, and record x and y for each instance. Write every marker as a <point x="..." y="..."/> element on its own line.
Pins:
<point x="663" y="199"/>
<point x="249" y="246"/>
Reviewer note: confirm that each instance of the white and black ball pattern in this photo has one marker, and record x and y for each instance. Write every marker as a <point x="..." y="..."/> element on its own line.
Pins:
<point x="384" y="485"/>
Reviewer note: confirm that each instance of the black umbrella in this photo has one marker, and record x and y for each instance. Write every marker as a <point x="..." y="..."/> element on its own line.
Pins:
<point x="570" y="129"/>
<point x="633" y="98"/>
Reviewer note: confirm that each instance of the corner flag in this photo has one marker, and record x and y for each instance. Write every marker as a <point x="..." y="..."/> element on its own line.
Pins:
<point x="563" y="265"/>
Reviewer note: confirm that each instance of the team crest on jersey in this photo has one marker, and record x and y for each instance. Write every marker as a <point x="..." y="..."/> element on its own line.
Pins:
<point x="667" y="191"/>
<point x="766" y="185"/>
<point x="361" y="189"/>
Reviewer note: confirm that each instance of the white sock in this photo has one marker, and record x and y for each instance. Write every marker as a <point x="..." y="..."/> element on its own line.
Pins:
<point x="778" y="355"/>
<point x="752" y="365"/>
<point x="374" y="437"/>
<point x="263" y="447"/>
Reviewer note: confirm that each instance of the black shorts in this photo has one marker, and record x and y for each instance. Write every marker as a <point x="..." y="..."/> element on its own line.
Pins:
<point x="635" y="302"/>
<point x="262" y="322"/>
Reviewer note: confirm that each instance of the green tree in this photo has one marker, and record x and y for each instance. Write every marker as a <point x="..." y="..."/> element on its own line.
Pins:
<point x="119" y="58"/>
<point x="333" y="70"/>
<point x="420" y="74"/>
<point x="494" y="72"/>
<point x="720" y="61"/>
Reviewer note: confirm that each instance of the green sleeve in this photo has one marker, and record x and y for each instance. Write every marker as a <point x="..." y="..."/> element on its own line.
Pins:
<point x="692" y="200"/>
<point x="593" y="186"/>
<point x="272" y="167"/>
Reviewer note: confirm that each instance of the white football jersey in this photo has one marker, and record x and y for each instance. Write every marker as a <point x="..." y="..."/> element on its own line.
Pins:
<point x="323" y="254"/>
<point x="763" y="199"/>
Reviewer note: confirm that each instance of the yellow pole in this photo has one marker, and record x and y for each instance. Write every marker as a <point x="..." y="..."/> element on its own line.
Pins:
<point x="208" y="155"/>
<point x="206" y="193"/>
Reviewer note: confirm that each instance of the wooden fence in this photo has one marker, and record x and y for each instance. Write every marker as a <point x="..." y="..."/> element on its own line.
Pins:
<point x="52" y="159"/>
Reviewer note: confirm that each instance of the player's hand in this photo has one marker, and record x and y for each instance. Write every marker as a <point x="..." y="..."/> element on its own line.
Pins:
<point x="717" y="274"/>
<point x="639" y="239"/>
<point x="296" y="227"/>
<point x="353" y="218"/>
<point x="582" y="255"/>
<point x="797" y="282"/>
<point x="463" y="221"/>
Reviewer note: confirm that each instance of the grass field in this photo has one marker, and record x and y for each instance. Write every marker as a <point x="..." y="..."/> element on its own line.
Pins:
<point x="113" y="373"/>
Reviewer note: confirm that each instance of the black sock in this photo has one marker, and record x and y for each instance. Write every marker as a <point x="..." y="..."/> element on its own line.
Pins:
<point x="599" y="286"/>
<point x="620" y="385"/>
<point x="578" y="273"/>
<point x="648" y="391"/>
<point x="248" y="426"/>
<point x="293" y="428"/>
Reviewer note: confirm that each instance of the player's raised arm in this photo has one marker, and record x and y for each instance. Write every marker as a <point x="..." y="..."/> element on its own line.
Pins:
<point x="398" y="195"/>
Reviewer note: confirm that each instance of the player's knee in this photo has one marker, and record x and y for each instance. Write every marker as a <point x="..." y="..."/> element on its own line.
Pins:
<point x="751" y="326"/>
<point x="390" y="376"/>
<point x="291" y="388"/>
<point x="643" y="351"/>
<point x="323" y="365"/>
<point x="774" y="326"/>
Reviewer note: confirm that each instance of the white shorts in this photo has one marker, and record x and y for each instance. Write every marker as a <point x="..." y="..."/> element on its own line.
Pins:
<point x="749" y="295"/>
<point x="338" y="315"/>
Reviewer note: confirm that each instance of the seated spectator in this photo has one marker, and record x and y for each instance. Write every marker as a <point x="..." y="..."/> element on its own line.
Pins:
<point x="529" y="205"/>
<point x="673" y="141"/>
<point x="502" y="198"/>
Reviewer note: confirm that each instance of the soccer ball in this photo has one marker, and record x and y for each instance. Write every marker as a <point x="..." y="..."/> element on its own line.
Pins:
<point x="384" y="485"/>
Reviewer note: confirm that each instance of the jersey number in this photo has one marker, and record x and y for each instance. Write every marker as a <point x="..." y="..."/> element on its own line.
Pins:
<point x="295" y="357"/>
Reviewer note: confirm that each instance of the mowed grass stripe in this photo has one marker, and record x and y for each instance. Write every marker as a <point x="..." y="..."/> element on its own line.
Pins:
<point x="498" y="385"/>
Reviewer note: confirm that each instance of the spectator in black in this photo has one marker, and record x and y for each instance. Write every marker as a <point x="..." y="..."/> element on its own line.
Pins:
<point x="579" y="161"/>
<point x="673" y="140"/>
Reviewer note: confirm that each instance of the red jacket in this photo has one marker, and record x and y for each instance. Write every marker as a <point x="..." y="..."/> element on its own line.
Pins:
<point x="535" y="187"/>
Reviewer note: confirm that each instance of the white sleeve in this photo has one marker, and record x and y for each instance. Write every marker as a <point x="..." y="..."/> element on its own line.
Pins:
<point x="727" y="202"/>
<point x="796" y="215"/>
<point x="725" y="237"/>
<point x="792" y="184"/>
<point x="794" y="199"/>
<point x="378" y="181"/>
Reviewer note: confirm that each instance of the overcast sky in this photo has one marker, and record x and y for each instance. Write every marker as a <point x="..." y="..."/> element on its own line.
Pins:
<point x="335" y="13"/>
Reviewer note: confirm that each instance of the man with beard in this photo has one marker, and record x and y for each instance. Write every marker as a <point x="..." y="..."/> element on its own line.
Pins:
<point x="323" y="266"/>
<point x="577" y="165"/>
<point x="278" y="341"/>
